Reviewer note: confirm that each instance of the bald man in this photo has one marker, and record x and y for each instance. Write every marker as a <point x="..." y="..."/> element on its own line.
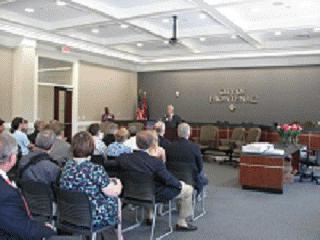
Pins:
<point x="171" y="119"/>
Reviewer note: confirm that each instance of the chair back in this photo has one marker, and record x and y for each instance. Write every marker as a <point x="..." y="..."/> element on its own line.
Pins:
<point x="138" y="125"/>
<point x="74" y="210"/>
<point x="254" y="135"/>
<point x="182" y="171"/>
<point x="40" y="198"/>
<point x="138" y="186"/>
<point x="112" y="168"/>
<point x="238" y="134"/>
<point x="208" y="133"/>
<point x="97" y="159"/>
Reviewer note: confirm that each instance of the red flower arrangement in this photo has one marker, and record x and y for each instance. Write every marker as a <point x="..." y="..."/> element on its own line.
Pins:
<point x="289" y="131"/>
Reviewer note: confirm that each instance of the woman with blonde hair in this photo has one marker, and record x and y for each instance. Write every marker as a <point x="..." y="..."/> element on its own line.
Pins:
<point x="155" y="150"/>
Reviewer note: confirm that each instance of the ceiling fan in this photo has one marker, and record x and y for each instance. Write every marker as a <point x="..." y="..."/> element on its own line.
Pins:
<point x="174" y="39"/>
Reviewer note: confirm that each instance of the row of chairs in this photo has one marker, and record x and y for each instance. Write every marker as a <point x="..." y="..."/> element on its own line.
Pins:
<point x="230" y="147"/>
<point x="71" y="211"/>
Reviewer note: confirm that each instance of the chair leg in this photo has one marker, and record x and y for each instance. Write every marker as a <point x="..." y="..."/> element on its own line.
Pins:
<point x="94" y="236"/>
<point x="153" y="221"/>
<point x="202" y="202"/>
<point x="138" y="222"/>
<point x="169" y="223"/>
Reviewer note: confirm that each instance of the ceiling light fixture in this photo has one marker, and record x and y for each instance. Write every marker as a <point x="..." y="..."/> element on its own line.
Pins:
<point x="277" y="3"/>
<point x="316" y="29"/>
<point x="166" y="20"/>
<point x="139" y="44"/>
<point x="60" y="3"/>
<point x="234" y="36"/>
<point x="202" y="16"/>
<point x="29" y="10"/>
<point x="95" y="30"/>
<point x="124" y="26"/>
<point x="166" y="42"/>
<point x="277" y="33"/>
<point x="202" y="39"/>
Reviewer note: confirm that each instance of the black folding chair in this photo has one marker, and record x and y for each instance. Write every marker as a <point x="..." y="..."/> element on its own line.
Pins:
<point x="112" y="168"/>
<point x="139" y="190"/>
<point x="40" y="198"/>
<point x="97" y="159"/>
<point x="74" y="214"/>
<point x="186" y="173"/>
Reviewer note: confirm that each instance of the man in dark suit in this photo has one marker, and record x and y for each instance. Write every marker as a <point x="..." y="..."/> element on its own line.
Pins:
<point x="185" y="151"/>
<point x="15" y="217"/>
<point x="160" y="128"/>
<point x="171" y="119"/>
<point x="167" y="186"/>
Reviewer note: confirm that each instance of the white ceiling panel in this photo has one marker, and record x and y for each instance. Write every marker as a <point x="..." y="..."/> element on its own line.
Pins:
<point x="253" y="15"/>
<point x="44" y="10"/>
<point x="189" y="24"/>
<point x="138" y="31"/>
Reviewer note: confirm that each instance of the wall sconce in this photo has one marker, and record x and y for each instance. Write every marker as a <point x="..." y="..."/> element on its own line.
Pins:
<point x="177" y="94"/>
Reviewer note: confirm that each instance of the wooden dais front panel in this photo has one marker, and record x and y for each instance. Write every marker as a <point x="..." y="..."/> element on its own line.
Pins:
<point x="262" y="172"/>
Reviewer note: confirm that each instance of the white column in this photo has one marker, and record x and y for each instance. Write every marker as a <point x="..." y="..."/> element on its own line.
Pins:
<point x="24" y="80"/>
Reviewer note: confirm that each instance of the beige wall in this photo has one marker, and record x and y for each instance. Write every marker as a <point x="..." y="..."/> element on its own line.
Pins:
<point x="100" y="86"/>
<point x="45" y="103"/>
<point x="6" y="71"/>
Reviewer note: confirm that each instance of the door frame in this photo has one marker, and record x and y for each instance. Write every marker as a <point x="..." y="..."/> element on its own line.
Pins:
<point x="73" y="85"/>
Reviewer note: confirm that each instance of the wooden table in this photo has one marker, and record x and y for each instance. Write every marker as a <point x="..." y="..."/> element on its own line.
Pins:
<point x="266" y="172"/>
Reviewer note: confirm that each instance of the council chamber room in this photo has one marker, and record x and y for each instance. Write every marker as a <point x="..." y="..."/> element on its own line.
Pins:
<point x="150" y="120"/>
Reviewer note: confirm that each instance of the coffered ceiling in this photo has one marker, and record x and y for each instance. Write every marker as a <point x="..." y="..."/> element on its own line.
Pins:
<point x="137" y="31"/>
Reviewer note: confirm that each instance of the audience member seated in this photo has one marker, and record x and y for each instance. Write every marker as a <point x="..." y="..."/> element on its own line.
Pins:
<point x="38" y="127"/>
<point x="1" y="126"/>
<point x="167" y="186"/>
<point x="25" y="126"/>
<point x="80" y="174"/>
<point x="15" y="221"/>
<point x="109" y="134"/>
<point x="100" y="147"/>
<point x="61" y="149"/>
<point x="186" y="151"/>
<point x="131" y="142"/>
<point x="37" y="165"/>
<point x="21" y="138"/>
<point x="117" y="148"/>
<point x="155" y="150"/>
<point x="160" y="128"/>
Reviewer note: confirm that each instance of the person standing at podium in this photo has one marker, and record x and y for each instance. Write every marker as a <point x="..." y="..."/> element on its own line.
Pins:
<point x="171" y="119"/>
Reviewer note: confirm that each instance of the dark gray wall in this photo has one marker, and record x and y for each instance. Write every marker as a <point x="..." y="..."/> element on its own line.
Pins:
<point x="285" y="94"/>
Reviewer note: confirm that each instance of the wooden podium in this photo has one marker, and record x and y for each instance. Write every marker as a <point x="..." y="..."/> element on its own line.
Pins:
<point x="266" y="172"/>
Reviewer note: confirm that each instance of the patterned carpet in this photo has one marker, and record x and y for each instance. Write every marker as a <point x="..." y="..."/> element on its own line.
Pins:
<point x="236" y="214"/>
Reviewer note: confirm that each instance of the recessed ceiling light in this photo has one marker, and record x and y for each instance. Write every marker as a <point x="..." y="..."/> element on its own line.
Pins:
<point x="255" y="10"/>
<point x="277" y="3"/>
<point x="29" y="10"/>
<point x="202" y="16"/>
<point x="277" y="33"/>
<point x="196" y="51"/>
<point x="234" y="36"/>
<point x="166" y="42"/>
<point x="61" y="3"/>
<point x="316" y="29"/>
<point x="124" y="26"/>
<point x="166" y="20"/>
<point x="202" y="39"/>
<point x="139" y="44"/>
<point x="95" y="30"/>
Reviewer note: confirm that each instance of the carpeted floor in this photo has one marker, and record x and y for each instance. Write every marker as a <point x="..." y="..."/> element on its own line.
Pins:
<point x="236" y="214"/>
